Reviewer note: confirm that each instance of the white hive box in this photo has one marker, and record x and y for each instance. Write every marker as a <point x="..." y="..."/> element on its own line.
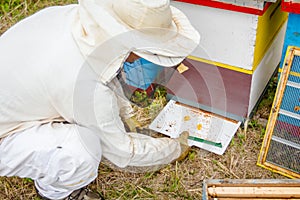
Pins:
<point x="240" y="48"/>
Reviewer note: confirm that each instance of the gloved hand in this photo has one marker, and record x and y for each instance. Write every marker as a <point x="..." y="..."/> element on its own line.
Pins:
<point x="131" y="124"/>
<point x="185" y="148"/>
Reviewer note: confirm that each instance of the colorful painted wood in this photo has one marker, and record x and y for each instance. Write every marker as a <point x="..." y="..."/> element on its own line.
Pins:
<point x="292" y="35"/>
<point x="281" y="146"/>
<point x="292" y="6"/>
<point x="238" y="53"/>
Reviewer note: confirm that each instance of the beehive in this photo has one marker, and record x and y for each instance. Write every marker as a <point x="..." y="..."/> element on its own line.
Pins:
<point x="240" y="48"/>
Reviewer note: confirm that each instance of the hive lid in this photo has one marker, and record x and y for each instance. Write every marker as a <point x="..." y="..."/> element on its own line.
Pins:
<point x="292" y="6"/>
<point x="257" y="7"/>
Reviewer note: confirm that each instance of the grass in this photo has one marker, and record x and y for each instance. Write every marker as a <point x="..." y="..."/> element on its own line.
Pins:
<point x="12" y="11"/>
<point x="179" y="180"/>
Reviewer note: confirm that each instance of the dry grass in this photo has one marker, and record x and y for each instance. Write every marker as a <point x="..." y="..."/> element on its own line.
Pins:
<point x="12" y="11"/>
<point x="180" y="180"/>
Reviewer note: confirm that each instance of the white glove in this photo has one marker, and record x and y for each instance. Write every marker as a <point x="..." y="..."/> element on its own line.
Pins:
<point x="185" y="148"/>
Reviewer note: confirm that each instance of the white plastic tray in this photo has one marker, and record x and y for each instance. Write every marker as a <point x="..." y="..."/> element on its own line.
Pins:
<point x="176" y="118"/>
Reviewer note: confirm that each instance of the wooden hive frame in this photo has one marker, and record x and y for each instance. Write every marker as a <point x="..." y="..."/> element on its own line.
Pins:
<point x="232" y="189"/>
<point x="285" y="72"/>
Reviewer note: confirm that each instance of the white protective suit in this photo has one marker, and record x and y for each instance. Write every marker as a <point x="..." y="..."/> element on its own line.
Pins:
<point x="45" y="136"/>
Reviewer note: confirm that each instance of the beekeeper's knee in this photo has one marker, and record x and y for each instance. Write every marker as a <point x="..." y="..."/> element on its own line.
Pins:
<point x="78" y="156"/>
<point x="73" y="164"/>
<point x="50" y="150"/>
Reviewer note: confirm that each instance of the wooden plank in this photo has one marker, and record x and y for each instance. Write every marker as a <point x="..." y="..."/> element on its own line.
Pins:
<point x="291" y="6"/>
<point x="250" y="192"/>
<point x="292" y="34"/>
<point x="230" y="6"/>
<point x="266" y="69"/>
<point x="266" y="184"/>
<point x="258" y="183"/>
<point x="238" y="198"/>
<point x="212" y="86"/>
<point x="252" y="182"/>
<point x="275" y="107"/>
<point x="262" y="161"/>
<point x="267" y="28"/>
<point x="227" y="37"/>
<point x="281" y="170"/>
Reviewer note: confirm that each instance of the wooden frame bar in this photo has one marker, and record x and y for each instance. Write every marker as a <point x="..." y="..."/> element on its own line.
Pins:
<point x="291" y="52"/>
<point x="251" y="189"/>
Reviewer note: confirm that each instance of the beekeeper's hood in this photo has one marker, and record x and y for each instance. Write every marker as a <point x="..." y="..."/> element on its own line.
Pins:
<point x="106" y="31"/>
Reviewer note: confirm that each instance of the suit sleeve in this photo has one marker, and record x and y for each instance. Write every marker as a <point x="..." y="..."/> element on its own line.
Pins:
<point x="122" y="148"/>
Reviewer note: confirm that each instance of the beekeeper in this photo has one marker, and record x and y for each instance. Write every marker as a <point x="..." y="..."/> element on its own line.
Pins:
<point x="61" y="104"/>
